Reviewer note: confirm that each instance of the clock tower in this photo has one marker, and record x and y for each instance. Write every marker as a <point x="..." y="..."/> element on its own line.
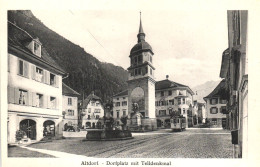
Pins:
<point x="141" y="83"/>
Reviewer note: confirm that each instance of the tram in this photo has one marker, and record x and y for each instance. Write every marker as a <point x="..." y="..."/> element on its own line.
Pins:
<point x="178" y="123"/>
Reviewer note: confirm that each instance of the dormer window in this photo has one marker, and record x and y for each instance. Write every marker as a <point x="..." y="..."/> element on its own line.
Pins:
<point x="36" y="48"/>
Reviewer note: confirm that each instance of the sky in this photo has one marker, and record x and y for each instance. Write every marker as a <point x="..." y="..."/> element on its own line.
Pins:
<point x="187" y="44"/>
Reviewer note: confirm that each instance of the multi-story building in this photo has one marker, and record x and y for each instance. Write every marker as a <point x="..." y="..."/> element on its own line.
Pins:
<point x="93" y="110"/>
<point x="216" y="106"/>
<point x="69" y="106"/>
<point x="171" y="96"/>
<point x="34" y="88"/>
<point x="234" y="68"/>
<point x="120" y="105"/>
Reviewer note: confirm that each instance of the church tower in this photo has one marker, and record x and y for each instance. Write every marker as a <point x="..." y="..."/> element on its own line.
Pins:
<point x="141" y="83"/>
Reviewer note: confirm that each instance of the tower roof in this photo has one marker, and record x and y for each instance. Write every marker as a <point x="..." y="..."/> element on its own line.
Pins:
<point x="141" y="45"/>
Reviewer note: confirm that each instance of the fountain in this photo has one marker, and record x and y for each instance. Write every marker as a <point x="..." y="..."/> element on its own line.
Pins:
<point x="109" y="131"/>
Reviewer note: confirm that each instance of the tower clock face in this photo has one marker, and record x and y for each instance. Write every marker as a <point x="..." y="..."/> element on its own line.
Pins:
<point x="137" y="96"/>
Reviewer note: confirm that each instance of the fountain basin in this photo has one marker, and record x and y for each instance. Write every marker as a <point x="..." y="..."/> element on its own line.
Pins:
<point x="103" y="135"/>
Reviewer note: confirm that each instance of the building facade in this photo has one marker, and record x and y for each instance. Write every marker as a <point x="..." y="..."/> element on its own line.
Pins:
<point x="69" y="107"/>
<point x="234" y="68"/>
<point x="34" y="88"/>
<point x="92" y="110"/>
<point x="141" y="83"/>
<point x="216" y="103"/>
<point x="171" y="97"/>
<point x="120" y="105"/>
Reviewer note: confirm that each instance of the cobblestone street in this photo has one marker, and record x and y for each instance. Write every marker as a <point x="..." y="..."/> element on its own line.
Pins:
<point x="192" y="143"/>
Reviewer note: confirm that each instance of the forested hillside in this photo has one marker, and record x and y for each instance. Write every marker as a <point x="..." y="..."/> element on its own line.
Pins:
<point x="86" y="73"/>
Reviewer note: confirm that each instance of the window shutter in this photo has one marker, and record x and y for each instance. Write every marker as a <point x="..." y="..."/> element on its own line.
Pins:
<point x="44" y="101"/>
<point x="33" y="99"/>
<point x="16" y="96"/>
<point x="9" y="63"/>
<point x="29" y="98"/>
<point x="57" y="81"/>
<point x="18" y="66"/>
<point x="11" y="95"/>
<point x="48" y="104"/>
<point x="33" y="71"/>
<point x="26" y="69"/>
<point x="216" y="110"/>
<point x="57" y="103"/>
<point x="48" y="77"/>
<point x="43" y="76"/>
<point x="216" y="101"/>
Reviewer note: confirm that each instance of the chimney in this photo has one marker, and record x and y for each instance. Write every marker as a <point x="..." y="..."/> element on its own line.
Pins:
<point x="92" y="92"/>
<point x="167" y="76"/>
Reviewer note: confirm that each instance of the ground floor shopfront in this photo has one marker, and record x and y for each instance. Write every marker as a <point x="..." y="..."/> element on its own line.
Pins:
<point x="217" y="122"/>
<point x="33" y="126"/>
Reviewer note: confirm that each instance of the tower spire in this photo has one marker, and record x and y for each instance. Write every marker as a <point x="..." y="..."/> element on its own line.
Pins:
<point x="141" y="34"/>
<point x="141" y="27"/>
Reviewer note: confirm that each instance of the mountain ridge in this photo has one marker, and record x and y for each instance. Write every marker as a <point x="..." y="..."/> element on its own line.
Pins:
<point x="204" y="89"/>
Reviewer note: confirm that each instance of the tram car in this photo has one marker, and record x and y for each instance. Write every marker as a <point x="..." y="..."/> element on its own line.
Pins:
<point x="178" y="123"/>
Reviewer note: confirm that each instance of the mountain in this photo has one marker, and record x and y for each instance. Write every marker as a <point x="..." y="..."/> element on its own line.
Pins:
<point x="86" y="73"/>
<point x="204" y="89"/>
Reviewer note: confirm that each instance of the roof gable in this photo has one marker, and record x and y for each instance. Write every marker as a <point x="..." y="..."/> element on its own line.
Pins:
<point x="68" y="91"/>
<point x="89" y="98"/>
<point x="220" y="91"/>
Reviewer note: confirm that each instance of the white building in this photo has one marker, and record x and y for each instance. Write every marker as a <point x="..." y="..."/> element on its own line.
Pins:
<point x="34" y="88"/>
<point x="69" y="106"/>
<point x="171" y="96"/>
<point x="93" y="110"/>
<point x="216" y="106"/>
<point x="120" y="105"/>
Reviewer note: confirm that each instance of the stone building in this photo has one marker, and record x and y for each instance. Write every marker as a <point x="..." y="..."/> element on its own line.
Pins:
<point x="141" y="83"/>
<point x="34" y="88"/>
<point x="92" y="109"/>
<point x="69" y="106"/>
<point x="216" y="106"/>
<point x="234" y="68"/>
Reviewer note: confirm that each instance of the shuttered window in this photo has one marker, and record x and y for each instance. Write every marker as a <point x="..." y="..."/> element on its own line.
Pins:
<point x="213" y="110"/>
<point x="39" y="74"/>
<point x="23" y="97"/>
<point x="23" y="68"/>
<point x="52" y="102"/>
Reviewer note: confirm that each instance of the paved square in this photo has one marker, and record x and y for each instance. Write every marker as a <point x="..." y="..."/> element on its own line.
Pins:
<point x="192" y="143"/>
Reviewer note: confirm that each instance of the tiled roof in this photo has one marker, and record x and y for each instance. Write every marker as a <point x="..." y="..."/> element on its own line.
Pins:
<point x="18" y="38"/>
<point x="164" y="84"/>
<point x="89" y="98"/>
<point x="66" y="90"/>
<point x="123" y="93"/>
<point x="219" y="91"/>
